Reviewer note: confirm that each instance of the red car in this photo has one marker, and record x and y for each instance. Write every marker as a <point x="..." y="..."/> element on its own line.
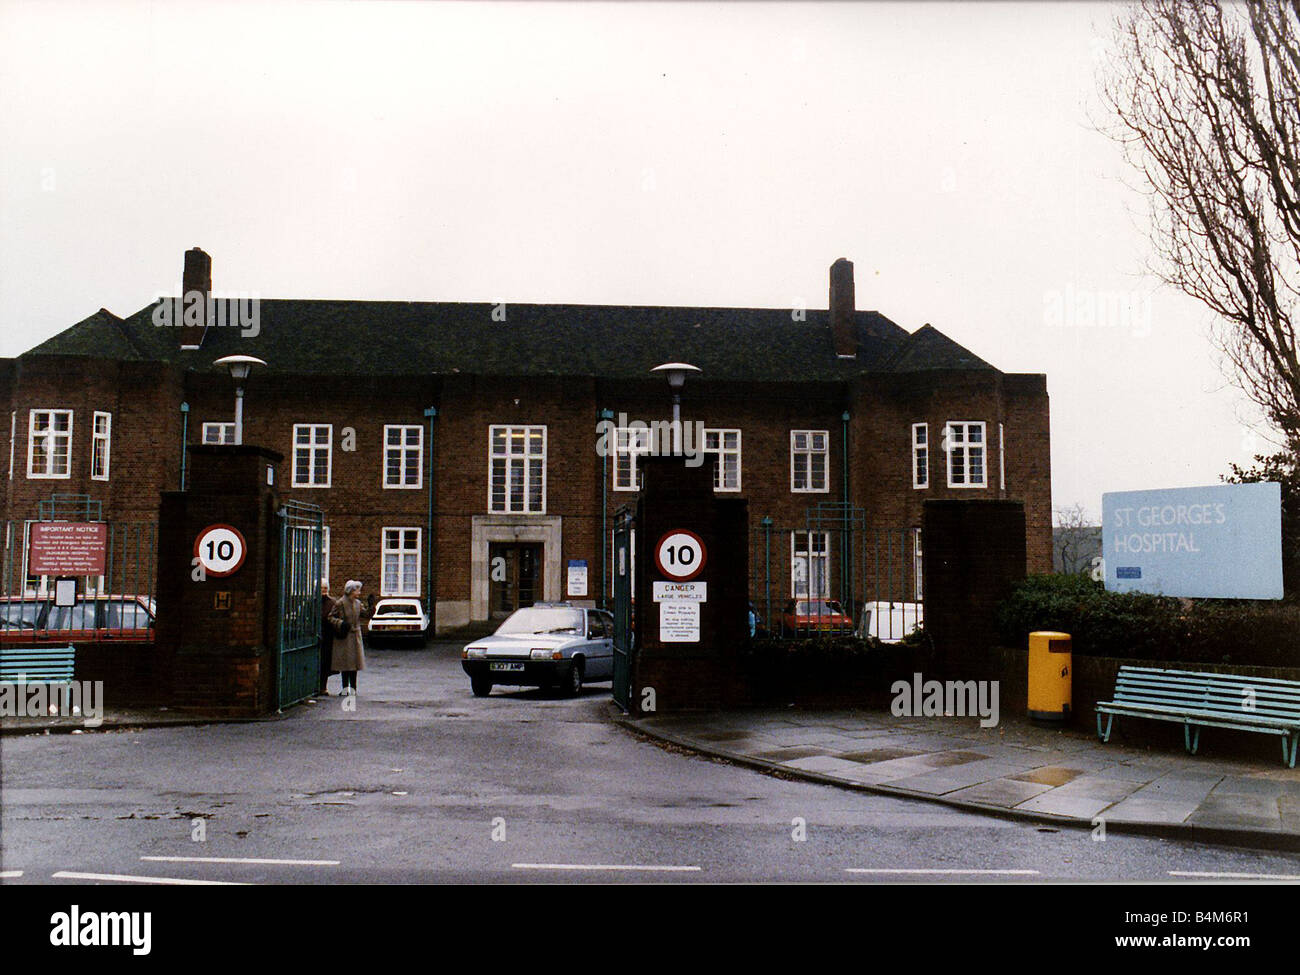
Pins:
<point x="92" y="619"/>
<point x="806" y="617"/>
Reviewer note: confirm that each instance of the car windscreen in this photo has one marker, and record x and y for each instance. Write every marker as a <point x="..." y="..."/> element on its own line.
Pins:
<point x="539" y="619"/>
<point x="397" y="609"/>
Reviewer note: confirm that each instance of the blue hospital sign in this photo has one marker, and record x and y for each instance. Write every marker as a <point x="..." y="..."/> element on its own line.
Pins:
<point x="1223" y="541"/>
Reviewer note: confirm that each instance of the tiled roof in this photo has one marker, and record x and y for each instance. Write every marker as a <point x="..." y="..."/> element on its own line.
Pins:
<point x="304" y="337"/>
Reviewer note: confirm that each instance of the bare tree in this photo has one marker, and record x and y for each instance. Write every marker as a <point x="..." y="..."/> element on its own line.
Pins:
<point x="1075" y="540"/>
<point x="1206" y="98"/>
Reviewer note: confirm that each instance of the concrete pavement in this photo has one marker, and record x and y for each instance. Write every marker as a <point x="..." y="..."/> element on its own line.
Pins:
<point x="1017" y="769"/>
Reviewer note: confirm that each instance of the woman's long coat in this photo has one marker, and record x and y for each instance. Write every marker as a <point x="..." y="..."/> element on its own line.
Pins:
<point x="349" y="651"/>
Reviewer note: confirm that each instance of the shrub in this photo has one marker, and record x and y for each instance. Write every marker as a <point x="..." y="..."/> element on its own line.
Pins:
<point x="1146" y="627"/>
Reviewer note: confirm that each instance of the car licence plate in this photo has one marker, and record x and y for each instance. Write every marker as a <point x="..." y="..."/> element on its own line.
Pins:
<point x="506" y="666"/>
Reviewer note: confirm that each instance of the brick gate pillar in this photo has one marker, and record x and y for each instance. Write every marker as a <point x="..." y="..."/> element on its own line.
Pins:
<point x="221" y="630"/>
<point x="974" y="552"/>
<point x="685" y="673"/>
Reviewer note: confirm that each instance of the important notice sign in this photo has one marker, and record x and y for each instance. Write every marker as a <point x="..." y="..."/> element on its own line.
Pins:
<point x="1223" y="541"/>
<point x="68" y="548"/>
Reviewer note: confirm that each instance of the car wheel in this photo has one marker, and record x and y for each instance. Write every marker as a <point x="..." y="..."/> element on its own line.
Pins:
<point x="573" y="680"/>
<point x="481" y="686"/>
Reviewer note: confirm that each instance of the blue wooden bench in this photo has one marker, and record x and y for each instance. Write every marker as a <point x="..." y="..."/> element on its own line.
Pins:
<point x="1195" y="700"/>
<point x="38" y="665"/>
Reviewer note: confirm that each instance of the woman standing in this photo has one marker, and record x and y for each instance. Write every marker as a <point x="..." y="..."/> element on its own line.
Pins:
<point x="349" y="652"/>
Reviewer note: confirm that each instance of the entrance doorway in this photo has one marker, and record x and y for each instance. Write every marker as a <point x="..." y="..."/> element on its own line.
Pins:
<point x="514" y="576"/>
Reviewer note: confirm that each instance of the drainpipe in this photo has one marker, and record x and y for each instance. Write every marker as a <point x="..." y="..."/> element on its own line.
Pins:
<point x="604" y="509"/>
<point x="185" y="437"/>
<point x="431" y="414"/>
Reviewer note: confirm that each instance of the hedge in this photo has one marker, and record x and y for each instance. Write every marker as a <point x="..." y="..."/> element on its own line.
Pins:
<point x="1142" y="626"/>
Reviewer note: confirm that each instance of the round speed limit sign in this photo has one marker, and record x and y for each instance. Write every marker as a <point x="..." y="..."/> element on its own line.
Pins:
<point x="680" y="555"/>
<point x="220" y="549"/>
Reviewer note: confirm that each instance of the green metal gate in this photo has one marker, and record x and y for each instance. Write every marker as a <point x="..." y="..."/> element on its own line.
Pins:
<point x="624" y="635"/>
<point x="302" y="529"/>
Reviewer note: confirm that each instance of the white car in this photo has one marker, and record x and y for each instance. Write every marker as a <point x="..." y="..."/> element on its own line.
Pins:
<point x="544" y="645"/>
<point x="398" y="619"/>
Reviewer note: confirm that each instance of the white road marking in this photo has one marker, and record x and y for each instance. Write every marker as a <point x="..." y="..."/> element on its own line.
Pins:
<point x="10" y="874"/>
<point x="282" y="863"/>
<point x="1209" y="875"/>
<point x="123" y="878"/>
<point x="605" y="866"/>
<point x="930" y="870"/>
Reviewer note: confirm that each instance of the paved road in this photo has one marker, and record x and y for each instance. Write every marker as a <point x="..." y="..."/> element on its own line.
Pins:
<point x="414" y="784"/>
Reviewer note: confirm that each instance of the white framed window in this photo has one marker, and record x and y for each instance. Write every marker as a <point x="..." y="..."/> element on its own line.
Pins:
<point x="810" y="564"/>
<point x="218" y="433"/>
<point x="403" y="456"/>
<point x="49" y="443"/>
<point x="400" y="571"/>
<point x="917" y="561"/>
<point x="629" y="443"/>
<point x="1002" y="459"/>
<point x="810" y="461"/>
<point x="920" y="455"/>
<point x="724" y="445"/>
<point x="100" y="445"/>
<point x="313" y="450"/>
<point x="325" y="557"/>
<point x="967" y="450"/>
<point x="517" y="470"/>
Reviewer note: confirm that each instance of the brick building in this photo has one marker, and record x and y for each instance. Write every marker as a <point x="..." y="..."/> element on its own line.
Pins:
<point x="453" y="445"/>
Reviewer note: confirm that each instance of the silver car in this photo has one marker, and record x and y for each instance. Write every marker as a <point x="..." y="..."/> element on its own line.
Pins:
<point x="544" y="645"/>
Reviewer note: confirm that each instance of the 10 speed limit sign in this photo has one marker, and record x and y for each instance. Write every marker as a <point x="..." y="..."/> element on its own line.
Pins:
<point x="680" y="555"/>
<point x="220" y="549"/>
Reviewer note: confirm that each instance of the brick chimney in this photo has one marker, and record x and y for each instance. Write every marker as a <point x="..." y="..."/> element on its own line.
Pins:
<point x="842" y="308"/>
<point x="196" y="278"/>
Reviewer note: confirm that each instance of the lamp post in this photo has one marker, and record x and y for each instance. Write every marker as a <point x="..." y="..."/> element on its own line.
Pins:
<point x="240" y="366"/>
<point x="677" y="373"/>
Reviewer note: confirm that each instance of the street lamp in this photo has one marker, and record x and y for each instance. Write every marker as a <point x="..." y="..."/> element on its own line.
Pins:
<point x="240" y="366"/>
<point x="677" y="373"/>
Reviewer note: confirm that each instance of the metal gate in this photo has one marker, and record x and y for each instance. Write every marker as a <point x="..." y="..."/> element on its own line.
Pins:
<point x="302" y="529"/>
<point x="624" y="635"/>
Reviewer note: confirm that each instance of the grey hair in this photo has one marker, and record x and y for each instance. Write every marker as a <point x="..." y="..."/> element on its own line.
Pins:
<point x="351" y="586"/>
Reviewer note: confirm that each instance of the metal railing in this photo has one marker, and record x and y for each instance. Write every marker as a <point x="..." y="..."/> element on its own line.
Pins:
<point x="116" y="605"/>
<point x="835" y="574"/>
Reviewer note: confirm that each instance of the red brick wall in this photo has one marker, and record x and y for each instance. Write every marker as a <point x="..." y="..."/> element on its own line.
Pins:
<point x="144" y="399"/>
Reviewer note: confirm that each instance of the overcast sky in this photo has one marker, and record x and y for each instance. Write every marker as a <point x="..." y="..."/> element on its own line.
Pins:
<point x="665" y="153"/>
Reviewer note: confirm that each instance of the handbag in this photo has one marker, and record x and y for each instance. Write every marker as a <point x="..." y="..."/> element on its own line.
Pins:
<point x="341" y="628"/>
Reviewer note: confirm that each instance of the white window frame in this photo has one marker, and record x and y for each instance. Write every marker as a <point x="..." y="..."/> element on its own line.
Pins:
<point x="225" y="432"/>
<point x="402" y="450"/>
<point x="806" y="556"/>
<point x="809" y="452"/>
<point x="101" y="442"/>
<point x="312" y="447"/>
<point x="400" y="552"/>
<point x="48" y="473"/>
<point x="917" y="563"/>
<point x="629" y="443"/>
<point x="513" y="459"/>
<point x="325" y="556"/>
<point x="1002" y="459"/>
<point x="721" y="452"/>
<point x="920" y="455"/>
<point x="957" y="436"/>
